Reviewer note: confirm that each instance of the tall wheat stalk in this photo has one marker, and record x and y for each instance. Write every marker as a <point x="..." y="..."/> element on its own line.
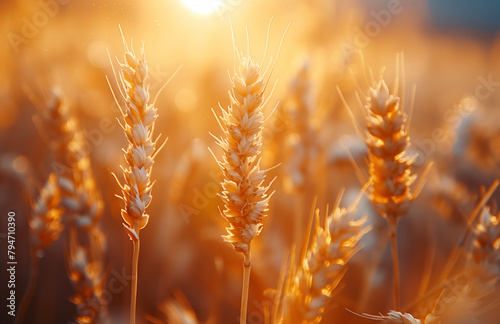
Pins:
<point x="77" y="190"/>
<point x="139" y="117"/>
<point x="245" y="197"/>
<point x="387" y="139"/>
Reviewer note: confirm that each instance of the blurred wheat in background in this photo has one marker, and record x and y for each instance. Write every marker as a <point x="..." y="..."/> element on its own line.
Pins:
<point x="356" y="226"/>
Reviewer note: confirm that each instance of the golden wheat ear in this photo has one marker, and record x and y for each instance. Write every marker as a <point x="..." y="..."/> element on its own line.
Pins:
<point x="245" y="196"/>
<point x="322" y="264"/>
<point x="387" y="137"/>
<point x="139" y="117"/>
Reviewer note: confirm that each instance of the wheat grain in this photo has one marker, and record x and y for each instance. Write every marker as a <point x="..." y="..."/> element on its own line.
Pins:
<point x="323" y="265"/>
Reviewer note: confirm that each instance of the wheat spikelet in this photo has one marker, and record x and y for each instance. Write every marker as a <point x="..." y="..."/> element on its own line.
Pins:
<point x="245" y="197"/>
<point x="45" y="222"/>
<point x="323" y="265"/>
<point x="139" y="118"/>
<point x="85" y="269"/>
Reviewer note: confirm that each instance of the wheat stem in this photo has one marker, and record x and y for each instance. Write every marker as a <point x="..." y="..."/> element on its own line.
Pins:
<point x="25" y="302"/>
<point x="135" y="266"/>
<point x="393" y="232"/>
<point x="247" y="266"/>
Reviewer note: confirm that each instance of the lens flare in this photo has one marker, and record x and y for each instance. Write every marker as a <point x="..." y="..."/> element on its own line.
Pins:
<point x="202" y="6"/>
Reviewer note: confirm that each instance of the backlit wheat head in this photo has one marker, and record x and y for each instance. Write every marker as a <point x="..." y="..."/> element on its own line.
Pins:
<point x="139" y="118"/>
<point x="245" y="197"/>
<point x="387" y="139"/>
<point x="45" y="222"/>
<point x="323" y="265"/>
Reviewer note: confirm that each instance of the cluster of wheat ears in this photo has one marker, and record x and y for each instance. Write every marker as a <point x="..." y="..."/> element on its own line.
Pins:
<point x="312" y="272"/>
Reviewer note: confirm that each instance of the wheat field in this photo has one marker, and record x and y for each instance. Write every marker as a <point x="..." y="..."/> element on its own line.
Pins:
<point x="229" y="161"/>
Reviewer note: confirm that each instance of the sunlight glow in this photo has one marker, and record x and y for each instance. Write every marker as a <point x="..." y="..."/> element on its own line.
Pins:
<point x="203" y="6"/>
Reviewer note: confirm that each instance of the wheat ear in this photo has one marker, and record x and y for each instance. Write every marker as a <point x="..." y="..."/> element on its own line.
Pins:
<point x="139" y="118"/>
<point x="323" y="264"/>
<point x="45" y="228"/>
<point x="245" y="197"/>
<point x="79" y="195"/>
<point x="387" y="139"/>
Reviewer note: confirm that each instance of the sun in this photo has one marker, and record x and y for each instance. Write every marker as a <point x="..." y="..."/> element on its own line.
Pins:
<point x="202" y="6"/>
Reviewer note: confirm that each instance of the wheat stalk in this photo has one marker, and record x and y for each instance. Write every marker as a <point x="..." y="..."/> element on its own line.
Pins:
<point x="322" y="265"/>
<point x="77" y="189"/>
<point x="139" y="118"/>
<point x="245" y="197"/>
<point x="387" y="139"/>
